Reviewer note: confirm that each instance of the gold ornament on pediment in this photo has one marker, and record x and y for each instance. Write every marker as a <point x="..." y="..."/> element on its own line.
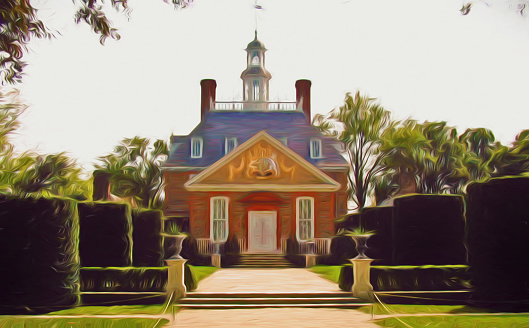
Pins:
<point x="261" y="163"/>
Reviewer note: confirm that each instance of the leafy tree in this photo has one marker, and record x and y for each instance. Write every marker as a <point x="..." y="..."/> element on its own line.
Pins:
<point x="480" y="147"/>
<point x="135" y="171"/>
<point x="359" y="124"/>
<point x="430" y="153"/>
<point x="512" y="160"/>
<point x="19" y="24"/>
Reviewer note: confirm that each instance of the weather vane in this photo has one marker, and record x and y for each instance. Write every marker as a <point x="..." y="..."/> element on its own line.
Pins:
<point x="257" y="7"/>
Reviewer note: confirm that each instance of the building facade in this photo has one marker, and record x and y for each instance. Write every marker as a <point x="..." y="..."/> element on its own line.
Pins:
<point x="256" y="170"/>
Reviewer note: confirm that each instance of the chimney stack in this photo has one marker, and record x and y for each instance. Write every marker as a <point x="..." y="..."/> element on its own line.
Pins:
<point x="208" y="96"/>
<point x="303" y="97"/>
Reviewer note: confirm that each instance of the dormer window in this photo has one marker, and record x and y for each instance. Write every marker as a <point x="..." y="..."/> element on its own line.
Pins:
<point x="230" y="144"/>
<point x="315" y="148"/>
<point x="196" y="147"/>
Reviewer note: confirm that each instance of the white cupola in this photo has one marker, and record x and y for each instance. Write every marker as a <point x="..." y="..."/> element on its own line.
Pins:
<point x="255" y="77"/>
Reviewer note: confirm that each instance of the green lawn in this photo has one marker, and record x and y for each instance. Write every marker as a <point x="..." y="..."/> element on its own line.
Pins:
<point x="412" y="309"/>
<point x="80" y="323"/>
<point x="486" y="321"/>
<point x="112" y="310"/>
<point x="201" y="272"/>
<point x="331" y="272"/>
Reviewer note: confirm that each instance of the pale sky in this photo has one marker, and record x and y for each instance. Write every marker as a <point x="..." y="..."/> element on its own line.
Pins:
<point x="421" y="59"/>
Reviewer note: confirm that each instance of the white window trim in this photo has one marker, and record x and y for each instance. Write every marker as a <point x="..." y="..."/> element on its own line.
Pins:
<point x="236" y="143"/>
<point x="312" y="219"/>
<point x="201" y="142"/>
<point x="211" y="214"/>
<point x="312" y="148"/>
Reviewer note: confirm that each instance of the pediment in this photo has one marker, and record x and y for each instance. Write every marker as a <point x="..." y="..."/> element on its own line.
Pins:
<point x="262" y="163"/>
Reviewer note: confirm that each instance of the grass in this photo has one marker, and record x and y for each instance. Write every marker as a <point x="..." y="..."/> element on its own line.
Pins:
<point x="488" y="321"/>
<point x="80" y="322"/>
<point x="330" y="272"/>
<point x="201" y="272"/>
<point x="112" y="310"/>
<point x="419" y="309"/>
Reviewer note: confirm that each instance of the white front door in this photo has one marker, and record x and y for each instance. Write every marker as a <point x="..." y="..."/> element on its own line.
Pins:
<point x="262" y="231"/>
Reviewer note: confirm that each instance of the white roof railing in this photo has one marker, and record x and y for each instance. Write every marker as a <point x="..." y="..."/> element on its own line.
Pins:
<point x="255" y="105"/>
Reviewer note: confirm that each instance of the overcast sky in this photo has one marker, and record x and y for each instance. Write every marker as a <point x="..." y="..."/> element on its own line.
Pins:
<point x="421" y="59"/>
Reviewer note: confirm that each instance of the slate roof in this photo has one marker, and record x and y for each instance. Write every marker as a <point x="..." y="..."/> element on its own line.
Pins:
<point x="245" y="124"/>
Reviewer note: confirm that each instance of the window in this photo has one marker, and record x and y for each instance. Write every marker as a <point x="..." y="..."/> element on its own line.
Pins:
<point x="230" y="144"/>
<point x="196" y="147"/>
<point x="284" y="140"/>
<point x="255" y="90"/>
<point x="219" y="218"/>
<point x="315" y="148"/>
<point x="305" y="218"/>
<point x="255" y="60"/>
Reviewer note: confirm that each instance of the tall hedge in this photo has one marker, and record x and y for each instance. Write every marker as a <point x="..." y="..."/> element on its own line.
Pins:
<point x="39" y="262"/>
<point x="147" y="241"/>
<point x="105" y="238"/>
<point x="380" y="245"/>
<point x="429" y="229"/>
<point x="497" y="237"/>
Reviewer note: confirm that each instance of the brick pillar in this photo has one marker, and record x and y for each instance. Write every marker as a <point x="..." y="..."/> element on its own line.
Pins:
<point x="303" y="97"/>
<point x="208" y="96"/>
<point x="101" y="185"/>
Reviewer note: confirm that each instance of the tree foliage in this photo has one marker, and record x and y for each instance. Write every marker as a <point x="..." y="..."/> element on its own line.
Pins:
<point x="19" y="24"/>
<point x="359" y="124"/>
<point x="29" y="173"/>
<point x="135" y="171"/>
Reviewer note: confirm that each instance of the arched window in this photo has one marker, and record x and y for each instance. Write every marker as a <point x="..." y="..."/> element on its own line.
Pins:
<point x="305" y="218"/>
<point x="256" y="90"/>
<point x="219" y="218"/>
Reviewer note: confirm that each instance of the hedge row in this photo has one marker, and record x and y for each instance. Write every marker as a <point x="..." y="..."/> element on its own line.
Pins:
<point x="411" y="278"/>
<point x="147" y="241"/>
<point x="39" y="261"/>
<point x="497" y="236"/>
<point x="417" y="230"/>
<point x="105" y="238"/>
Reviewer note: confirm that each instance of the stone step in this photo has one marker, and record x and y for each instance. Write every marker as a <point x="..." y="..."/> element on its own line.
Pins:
<point x="255" y="306"/>
<point x="241" y="266"/>
<point x="269" y="300"/>
<point x="337" y="294"/>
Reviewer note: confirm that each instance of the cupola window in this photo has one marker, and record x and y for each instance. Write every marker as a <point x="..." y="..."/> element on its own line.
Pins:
<point x="256" y="89"/>
<point x="255" y="60"/>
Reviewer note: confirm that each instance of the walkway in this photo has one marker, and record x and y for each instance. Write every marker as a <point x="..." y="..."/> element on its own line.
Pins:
<point x="269" y="280"/>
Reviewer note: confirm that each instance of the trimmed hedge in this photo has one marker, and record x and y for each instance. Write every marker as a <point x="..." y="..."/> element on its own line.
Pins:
<point x="497" y="237"/>
<point x="380" y="245"/>
<point x="342" y="249"/>
<point x="147" y="241"/>
<point x="411" y="278"/>
<point x="39" y="269"/>
<point x="232" y="252"/>
<point x="105" y="236"/>
<point x="429" y="229"/>
<point x="123" y="279"/>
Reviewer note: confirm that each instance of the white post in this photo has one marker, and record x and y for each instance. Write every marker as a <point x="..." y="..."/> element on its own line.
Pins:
<point x="362" y="288"/>
<point x="310" y="260"/>
<point x="175" y="281"/>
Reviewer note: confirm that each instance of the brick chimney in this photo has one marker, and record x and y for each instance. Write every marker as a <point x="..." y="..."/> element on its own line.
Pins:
<point x="208" y="96"/>
<point x="303" y="97"/>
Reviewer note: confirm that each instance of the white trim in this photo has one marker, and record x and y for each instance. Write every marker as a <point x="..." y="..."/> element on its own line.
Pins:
<point x="201" y="143"/>
<point x="312" y="151"/>
<point x="226" y="215"/>
<point x="226" y="144"/>
<point x="312" y="217"/>
<point x="274" y="218"/>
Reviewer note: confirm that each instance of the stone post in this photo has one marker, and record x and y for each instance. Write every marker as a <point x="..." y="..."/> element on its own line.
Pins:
<point x="215" y="260"/>
<point x="362" y="288"/>
<point x="175" y="281"/>
<point x="310" y="260"/>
